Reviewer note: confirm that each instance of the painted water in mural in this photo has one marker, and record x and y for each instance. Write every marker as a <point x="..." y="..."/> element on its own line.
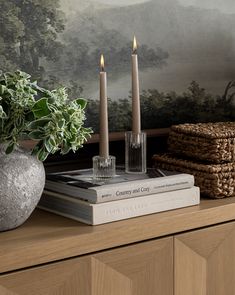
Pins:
<point x="186" y="52"/>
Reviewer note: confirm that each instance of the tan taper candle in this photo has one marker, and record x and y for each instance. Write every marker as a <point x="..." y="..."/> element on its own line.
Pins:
<point x="136" y="124"/>
<point x="104" y="132"/>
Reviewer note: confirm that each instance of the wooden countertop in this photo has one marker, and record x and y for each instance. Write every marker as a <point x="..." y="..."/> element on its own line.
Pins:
<point x="46" y="237"/>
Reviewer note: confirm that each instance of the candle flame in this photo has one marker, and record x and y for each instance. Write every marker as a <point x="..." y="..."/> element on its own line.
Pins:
<point x="102" y="62"/>
<point x="134" y="45"/>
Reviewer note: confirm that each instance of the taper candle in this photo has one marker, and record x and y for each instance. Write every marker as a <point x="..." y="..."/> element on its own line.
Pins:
<point x="104" y="133"/>
<point x="136" y="124"/>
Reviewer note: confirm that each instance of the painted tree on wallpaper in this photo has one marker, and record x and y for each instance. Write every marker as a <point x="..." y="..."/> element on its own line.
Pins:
<point x="186" y="54"/>
<point x="29" y="34"/>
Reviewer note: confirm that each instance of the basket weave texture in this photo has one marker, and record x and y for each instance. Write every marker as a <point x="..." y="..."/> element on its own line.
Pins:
<point x="214" y="180"/>
<point x="211" y="142"/>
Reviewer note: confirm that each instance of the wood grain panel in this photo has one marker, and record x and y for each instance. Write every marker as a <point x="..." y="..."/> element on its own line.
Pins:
<point x="205" y="261"/>
<point x="144" y="269"/>
<point x="47" y="237"/>
<point x="65" y="278"/>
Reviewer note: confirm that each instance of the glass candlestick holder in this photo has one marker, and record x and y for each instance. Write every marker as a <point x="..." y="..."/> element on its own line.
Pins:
<point x="135" y="152"/>
<point x="104" y="167"/>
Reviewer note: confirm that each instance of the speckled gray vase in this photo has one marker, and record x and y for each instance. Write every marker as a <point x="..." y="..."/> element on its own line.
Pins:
<point x="22" y="179"/>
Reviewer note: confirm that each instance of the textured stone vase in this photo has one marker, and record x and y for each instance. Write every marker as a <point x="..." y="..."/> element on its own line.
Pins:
<point x="22" y="179"/>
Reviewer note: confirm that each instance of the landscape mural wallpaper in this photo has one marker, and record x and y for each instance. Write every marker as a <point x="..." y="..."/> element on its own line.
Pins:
<point x="186" y="54"/>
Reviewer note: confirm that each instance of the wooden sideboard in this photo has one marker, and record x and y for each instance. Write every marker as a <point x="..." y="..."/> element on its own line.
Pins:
<point x="189" y="251"/>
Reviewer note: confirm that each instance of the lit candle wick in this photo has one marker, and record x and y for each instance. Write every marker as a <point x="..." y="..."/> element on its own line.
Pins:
<point x="102" y="63"/>
<point x="134" y="51"/>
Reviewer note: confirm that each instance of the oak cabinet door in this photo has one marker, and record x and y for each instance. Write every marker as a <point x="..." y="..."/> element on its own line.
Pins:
<point x="205" y="261"/>
<point x="142" y="269"/>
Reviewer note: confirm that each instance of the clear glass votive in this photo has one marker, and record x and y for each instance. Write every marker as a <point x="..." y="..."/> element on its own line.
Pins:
<point x="104" y="168"/>
<point x="135" y="152"/>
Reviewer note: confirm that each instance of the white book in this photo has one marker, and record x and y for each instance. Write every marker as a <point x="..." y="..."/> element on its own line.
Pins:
<point x="117" y="210"/>
<point x="80" y="184"/>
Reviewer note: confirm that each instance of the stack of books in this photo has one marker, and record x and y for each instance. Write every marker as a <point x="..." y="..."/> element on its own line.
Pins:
<point x="76" y="195"/>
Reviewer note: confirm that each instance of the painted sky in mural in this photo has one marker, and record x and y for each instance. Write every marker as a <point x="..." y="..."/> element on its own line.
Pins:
<point x="186" y="40"/>
<point x="186" y="52"/>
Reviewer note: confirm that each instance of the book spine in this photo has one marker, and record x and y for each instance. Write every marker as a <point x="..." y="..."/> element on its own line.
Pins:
<point x="113" y="211"/>
<point x="147" y="187"/>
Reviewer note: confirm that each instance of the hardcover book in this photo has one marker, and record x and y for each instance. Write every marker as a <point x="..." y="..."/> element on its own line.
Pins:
<point x="95" y="214"/>
<point x="80" y="184"/>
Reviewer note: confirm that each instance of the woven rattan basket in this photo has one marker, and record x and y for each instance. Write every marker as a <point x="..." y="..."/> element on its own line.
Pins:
<point x="215" y="181"/>
<point x="212" y="142"/>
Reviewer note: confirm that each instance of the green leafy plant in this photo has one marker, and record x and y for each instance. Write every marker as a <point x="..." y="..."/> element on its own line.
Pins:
<point x="28" y="111"/>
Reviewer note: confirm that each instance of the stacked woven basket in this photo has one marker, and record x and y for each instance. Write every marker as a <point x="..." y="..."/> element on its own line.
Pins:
<point x="206" y="150"/>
